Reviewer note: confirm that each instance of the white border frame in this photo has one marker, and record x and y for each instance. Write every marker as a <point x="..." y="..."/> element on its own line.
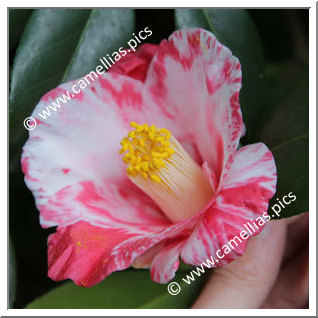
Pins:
<point x="312" y="163"/>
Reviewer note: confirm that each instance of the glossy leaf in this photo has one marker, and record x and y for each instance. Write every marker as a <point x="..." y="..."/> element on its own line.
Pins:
<point x="286" y="131"/>
<point x="235" y="29"/>
<point x="58" y="45"/>
<point x="105" y="32"/>
<point x="17" y="21"/>
<point x="128" y="289"/>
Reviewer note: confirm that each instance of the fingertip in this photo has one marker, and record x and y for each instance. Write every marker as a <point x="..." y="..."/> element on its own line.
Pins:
<point x="246" y="282"/>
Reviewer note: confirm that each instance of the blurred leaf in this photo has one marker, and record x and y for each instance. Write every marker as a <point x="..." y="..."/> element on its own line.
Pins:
<point x="12" y="275"/>
<point x="128" y="289"/>
<point x="17" y="21"/>
<point x="185" y="267"/>
<point x="285" y="130"/>
<point x="58" y="45"/>
<point x="235" y="29"/>
<point x="106" y="31"/>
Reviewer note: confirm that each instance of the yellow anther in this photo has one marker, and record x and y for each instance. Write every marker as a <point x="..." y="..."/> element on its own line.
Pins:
<point x="170" y="151"/>
<point x="145" y="166"/>
<point x="155" y="178"/>
<point x="164" y="155"/>
<point x="142" y="143"/>
<point x="126" y="158"/>
<point x="153" y="129"/>
<point x="146" y="148"/>
<point x="139" y="129"/>
<point x="146" y="158"/>
<point x="125" y="147"/>
<point x="130" y="171"/>
<point x="124" y="141"/>
<point x="164" y="131"/>
<point x="157" y="164"/>
<point x="133" y="124"/>
<point x="138" y="167"/>
<point x="132" y="134"/>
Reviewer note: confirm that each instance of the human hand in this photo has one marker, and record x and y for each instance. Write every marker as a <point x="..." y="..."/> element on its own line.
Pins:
<point x="273" y="273"/>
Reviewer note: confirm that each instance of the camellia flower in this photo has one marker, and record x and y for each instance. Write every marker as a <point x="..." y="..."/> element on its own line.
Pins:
<point x="142" y="168"/>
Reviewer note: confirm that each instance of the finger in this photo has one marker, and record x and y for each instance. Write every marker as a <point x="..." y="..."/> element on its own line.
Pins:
<point x="297" y="234"/>
<point x="295" y="218"/>
<point x="246" y="282"/>
<point x="291" y="289"/>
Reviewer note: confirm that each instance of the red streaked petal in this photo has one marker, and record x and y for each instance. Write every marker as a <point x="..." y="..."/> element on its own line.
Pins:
<point x="83" y="253"/>
<point x="105" y="223"/>
<point x="135" y="64"/>
<point x="81" y="137"/>
<point x="166" y="263"/>
<point x="114" y="204"/>
<point x="195" y="82"/>
<point x="87" y="254"/>
<point x="247" y="188"/>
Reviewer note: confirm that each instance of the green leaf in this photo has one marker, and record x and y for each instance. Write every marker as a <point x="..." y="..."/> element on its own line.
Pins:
<point x="58" y="45"/>
<point x="17" y="21"/>
<point x="128" y="289"/>
<point x="235" y="29"/>
<point x="12" y="275"/>
<point x="285" y="130"/>
<point x="105" y="32"/>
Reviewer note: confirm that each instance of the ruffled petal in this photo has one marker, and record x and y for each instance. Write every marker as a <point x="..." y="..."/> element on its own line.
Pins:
<point x="247" y="188"/>
<point x="114" y="204"/>
<point x="87" y="254"/>
<point x="113" y="101"/>
<point x="83" y="253"/>
<point x="71" y="164"/>
<point x="166" y="263"/>
<point x="136" y="64"/>
<point x="71" y="161"/>
<point x="195" y="81"/>
<point x="105" y="223"/>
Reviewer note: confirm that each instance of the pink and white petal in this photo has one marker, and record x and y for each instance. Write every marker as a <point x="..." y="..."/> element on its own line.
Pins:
<point x="78" y="143"/>
<point x="211" y="235"/>
<point x="136" y="64"/>
<point x="166" y="263"/>
<point x="87" y="254"/>
<point x="145" y="259"/>
<point x="247" y="189"/>
<point x="83" y="253"/>
<point x="253" y="164"/>
<point x="137" y="249"/>
<point x="113" y="204"/>
<point x="195" y="82"/>
<point x="80" y="140"/>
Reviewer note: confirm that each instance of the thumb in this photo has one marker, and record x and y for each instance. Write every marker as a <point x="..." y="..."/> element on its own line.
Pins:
<point x="246" y="282"/>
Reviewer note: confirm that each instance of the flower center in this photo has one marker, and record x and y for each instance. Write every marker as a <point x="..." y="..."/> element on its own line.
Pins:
<point x="158" y="164"/>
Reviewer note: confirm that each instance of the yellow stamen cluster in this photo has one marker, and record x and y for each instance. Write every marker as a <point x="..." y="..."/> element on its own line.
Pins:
<point x="146" y="150"/>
